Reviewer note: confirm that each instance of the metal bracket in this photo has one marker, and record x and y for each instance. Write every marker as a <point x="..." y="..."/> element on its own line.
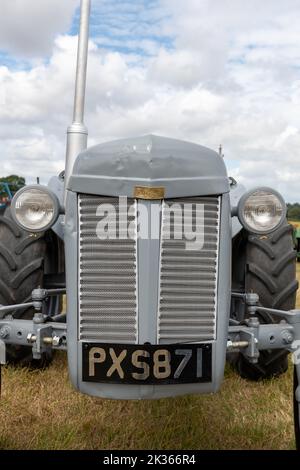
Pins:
<point x="245" y="341"/>
<point x="251" y="301"/>
<point x="41" y="336"/>
<point x="283" y="335"/>
<point x="39" y="296"/>
<point x="40" y="333"/>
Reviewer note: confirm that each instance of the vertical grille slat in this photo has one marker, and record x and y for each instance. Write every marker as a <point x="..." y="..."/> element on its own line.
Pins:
<point x="188" y="279"/>
<point x="107" y="277"/>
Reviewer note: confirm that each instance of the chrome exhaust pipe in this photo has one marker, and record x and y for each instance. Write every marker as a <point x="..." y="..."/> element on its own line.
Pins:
<point x="77" y="133"/>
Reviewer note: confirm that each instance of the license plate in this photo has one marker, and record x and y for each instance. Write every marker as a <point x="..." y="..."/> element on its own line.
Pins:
<point x="146" y="364"/>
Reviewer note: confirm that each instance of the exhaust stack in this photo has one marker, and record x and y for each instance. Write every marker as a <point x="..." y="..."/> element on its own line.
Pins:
<point x="77" y="133"/>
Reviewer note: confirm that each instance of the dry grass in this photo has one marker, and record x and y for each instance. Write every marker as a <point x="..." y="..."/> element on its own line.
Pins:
<point x="40" y="410"/>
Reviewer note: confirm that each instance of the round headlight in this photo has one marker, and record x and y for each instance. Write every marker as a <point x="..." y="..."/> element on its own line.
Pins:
<point x="262" y="210"/>
<point x="35" y="208"/>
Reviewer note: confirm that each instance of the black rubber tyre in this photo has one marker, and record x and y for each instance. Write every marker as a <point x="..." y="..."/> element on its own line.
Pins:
<point x="270" y="273"/>
<point x="296" y="411"/>
<point x="23" y="257"/>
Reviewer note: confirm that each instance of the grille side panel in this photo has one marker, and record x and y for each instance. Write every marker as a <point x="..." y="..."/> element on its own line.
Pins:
<point x="188" y="278"/>
<point x="107" y="276"/>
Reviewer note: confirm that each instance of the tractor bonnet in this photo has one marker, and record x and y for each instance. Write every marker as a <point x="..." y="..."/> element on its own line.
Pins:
<point x="180" y="167"/>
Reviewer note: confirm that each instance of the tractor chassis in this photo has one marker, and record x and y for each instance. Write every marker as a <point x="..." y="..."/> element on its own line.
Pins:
<point x="44" y="333"/>
<point x="247" y="337"/>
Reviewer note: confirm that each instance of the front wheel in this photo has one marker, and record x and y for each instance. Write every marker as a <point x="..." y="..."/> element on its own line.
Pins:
<point x="24" y="259"/>
<point x="270" y="272"/>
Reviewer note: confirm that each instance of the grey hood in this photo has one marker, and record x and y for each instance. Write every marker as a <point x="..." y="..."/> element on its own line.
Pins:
<point x="182" y="168"/>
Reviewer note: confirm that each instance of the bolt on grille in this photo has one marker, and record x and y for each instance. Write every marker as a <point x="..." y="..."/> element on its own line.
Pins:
<point x="107" y="277"/>
<point x="188" y="279"/>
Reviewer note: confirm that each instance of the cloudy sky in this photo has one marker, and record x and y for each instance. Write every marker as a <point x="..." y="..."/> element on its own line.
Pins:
<point x="208" y="71"/>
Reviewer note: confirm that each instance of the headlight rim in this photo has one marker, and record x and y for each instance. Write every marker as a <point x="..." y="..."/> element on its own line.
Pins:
<point x="41" y="188"/>
<point x="241" y="206"/>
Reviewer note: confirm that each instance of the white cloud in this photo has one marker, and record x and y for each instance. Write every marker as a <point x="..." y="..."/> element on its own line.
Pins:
<point x="28" y="27"/>
<point x="232" y="77"/>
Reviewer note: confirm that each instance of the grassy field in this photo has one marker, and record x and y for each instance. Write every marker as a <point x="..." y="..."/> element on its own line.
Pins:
<point x="40" y="410"/>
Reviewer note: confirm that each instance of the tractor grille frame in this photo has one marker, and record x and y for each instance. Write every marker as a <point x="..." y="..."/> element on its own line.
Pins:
<point x="108" y="281"/>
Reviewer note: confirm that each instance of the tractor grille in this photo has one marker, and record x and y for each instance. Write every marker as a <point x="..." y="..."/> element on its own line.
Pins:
<point x="188" y="279"/>
<point x="107" y="278"/>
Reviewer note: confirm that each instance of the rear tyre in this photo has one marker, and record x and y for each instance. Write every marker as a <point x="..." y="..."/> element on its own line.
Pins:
<point x="270" y="273"/>
<point x="24" y="257"/>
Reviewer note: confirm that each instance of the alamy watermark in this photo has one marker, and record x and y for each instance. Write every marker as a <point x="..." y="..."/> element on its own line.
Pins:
<point x="185" y="221"/>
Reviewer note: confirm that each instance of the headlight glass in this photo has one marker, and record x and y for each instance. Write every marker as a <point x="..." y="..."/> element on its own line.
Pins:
<point x="263" y="211"/>
<point x="35" y="209"/>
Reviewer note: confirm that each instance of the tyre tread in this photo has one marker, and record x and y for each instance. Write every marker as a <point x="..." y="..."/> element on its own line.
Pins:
<point x="271" y="273"/>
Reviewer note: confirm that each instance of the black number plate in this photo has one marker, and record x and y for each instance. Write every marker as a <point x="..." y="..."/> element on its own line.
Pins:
<point x="146" y="364"/>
